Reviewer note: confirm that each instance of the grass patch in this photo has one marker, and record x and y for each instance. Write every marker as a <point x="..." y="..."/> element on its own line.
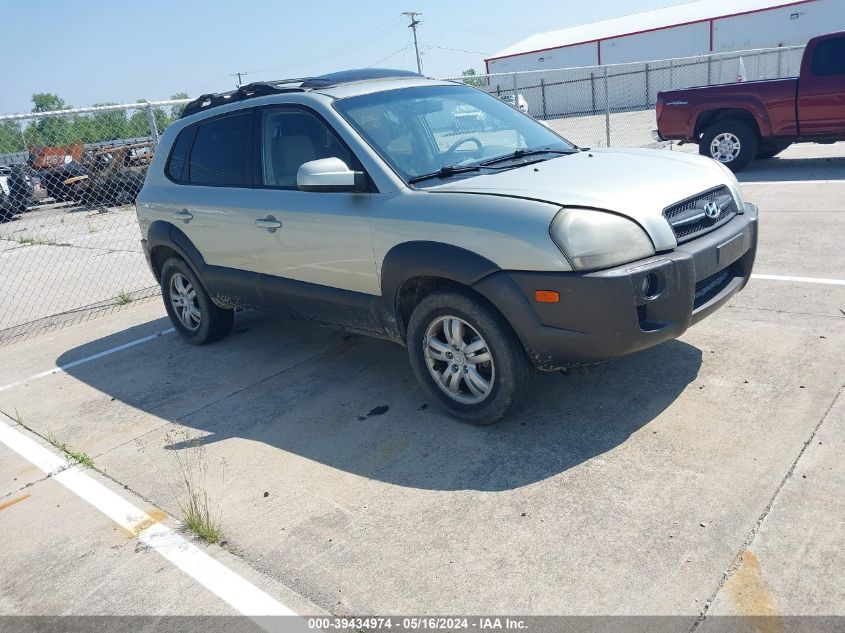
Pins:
<point x="77" y="456"/>
<point x="123" y="298"/>
<point x="193" y="499"/>
<point x="33" y="241"/>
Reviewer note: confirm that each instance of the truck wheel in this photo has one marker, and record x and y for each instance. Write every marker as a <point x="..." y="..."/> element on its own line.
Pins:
<point x="770" y="151"/>
<point x="467" y="358"/>
<point x="189" y="307"/>
<point x="731" y="142"/>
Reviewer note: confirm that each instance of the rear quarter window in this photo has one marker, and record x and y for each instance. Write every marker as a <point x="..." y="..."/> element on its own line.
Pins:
<point x="179" y="154"/>
<point x="829" y="57"/>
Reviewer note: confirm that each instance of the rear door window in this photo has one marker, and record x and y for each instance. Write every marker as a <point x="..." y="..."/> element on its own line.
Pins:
<point x="829" y="57"/>
<point x="222" y="152"/>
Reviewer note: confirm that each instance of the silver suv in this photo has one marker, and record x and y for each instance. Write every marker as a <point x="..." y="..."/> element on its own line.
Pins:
<point x="360" y="200"/>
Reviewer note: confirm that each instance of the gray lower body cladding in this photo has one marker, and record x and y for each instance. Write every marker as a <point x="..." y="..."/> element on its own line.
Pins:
<point x="611" y="313"/>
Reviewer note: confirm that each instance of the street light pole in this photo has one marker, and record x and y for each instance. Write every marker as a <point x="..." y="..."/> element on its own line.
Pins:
<point x="413" y="26"/>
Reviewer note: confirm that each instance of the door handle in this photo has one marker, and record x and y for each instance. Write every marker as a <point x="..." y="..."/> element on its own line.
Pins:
<point x="270" y="223"/>
<point x="183" y="215"/>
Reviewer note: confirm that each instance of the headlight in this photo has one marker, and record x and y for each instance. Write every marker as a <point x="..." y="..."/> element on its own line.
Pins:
<point x="595" y="239"/>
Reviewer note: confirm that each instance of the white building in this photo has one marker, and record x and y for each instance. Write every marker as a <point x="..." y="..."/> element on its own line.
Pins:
<point x="679" y="31"/>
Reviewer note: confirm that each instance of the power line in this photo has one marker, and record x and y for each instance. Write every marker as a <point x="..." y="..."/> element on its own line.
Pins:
<point x="359" y="41"/>
<point x="413" y="26"/>
<point x="404" y="48"/>
<point x="457" y="50"/>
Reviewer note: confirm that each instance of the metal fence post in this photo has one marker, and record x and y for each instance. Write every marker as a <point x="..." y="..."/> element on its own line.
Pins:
<point x="606" y="108"/>
<point x="647" y="87"/>
<point x="709" y="69"/>
<point x="593" y="91"/>
<point x="543" y="96"/>
<point x="671" y="74"/>
<point x="151" y="120"/>
<point x="515" y="99"/>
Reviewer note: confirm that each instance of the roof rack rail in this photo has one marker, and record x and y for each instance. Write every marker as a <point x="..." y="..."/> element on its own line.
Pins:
<point x="277" y="86"/>
<point x="249" y="91"/>
<point x="354" y="76"/>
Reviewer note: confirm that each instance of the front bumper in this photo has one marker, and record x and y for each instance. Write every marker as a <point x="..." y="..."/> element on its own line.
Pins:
<point x="603" y="315"/>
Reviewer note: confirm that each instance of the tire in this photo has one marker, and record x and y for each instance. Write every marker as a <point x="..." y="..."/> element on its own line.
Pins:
<point x="770" y="151"/>
<point x="509" y="373"/>
<point x="6" y="213"/>
<point x="20" y="188"/>
<point x="739" y="147"/>
<point x="213" y="323"/>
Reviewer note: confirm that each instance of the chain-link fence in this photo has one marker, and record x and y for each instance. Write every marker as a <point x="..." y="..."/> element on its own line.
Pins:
<point x="613" y="105"/>
<point x="69" y="238"/>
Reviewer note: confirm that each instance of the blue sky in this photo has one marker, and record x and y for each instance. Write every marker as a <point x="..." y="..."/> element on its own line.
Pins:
<point x="91" y="51"/>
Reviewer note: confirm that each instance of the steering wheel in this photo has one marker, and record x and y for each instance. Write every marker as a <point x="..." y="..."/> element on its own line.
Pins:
<point x="466" y="139"/>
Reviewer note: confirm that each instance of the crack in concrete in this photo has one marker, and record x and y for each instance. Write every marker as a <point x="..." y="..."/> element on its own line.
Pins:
<point x="736" y="563"/>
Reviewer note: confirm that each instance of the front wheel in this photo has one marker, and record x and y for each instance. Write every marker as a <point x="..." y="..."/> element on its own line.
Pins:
<point x="467" y="358"/>
<point x="189" y="307"/>
<point x="732" y="142"/>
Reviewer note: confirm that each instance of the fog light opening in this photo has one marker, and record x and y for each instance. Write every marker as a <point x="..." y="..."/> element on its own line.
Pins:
<point x="650" y="286"/>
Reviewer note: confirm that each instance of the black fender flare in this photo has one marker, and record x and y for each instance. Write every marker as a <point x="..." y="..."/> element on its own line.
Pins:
<point x="408" y="260"/>
<point x="161" y="233"/>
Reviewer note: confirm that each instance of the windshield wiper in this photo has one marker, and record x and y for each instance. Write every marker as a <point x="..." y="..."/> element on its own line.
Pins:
<point x="447" y="171"/>
<point x="521" y="153"/>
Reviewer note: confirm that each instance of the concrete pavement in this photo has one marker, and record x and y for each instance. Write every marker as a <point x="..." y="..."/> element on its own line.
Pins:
<point x="666" y="483"/>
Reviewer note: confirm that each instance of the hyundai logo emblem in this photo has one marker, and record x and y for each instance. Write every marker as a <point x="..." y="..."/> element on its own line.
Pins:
<point x="712" y="210"/>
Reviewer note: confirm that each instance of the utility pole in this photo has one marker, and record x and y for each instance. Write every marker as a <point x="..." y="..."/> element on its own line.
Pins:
<point x="238" y="75"/>
<point x="413" y="26"/>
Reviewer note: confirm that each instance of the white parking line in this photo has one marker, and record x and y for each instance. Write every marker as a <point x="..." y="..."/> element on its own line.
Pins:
<point x="227" y="585"/>
<point x="87" y="359"/>
<point x="803" y="280"/>
<point x="791" y="182"/>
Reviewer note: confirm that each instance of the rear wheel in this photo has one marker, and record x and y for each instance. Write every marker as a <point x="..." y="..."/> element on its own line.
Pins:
<point x="189" y="307"/>
<point x="732" y="142"/>
<point x="467" y="358"/>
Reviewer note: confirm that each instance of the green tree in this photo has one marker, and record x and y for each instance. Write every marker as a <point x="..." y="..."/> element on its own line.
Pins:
<point x="50" y="130"/>
<point x="176" y="110"/>
<point x="471" y="78"/>
<point x="11" y="137"/>
<point x="139" y="124"/>
<point x="47" y="102"/>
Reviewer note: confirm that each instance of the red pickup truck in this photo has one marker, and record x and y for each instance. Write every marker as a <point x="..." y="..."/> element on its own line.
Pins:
<point x="736" y="123"/>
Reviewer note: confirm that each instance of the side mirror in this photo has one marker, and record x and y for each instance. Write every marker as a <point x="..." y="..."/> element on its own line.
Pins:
<point x="329" y="174"/>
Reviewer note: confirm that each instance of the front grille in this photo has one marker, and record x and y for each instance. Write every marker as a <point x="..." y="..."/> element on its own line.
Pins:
<point x="710" y="286"/>
<point x="689" y="219"/>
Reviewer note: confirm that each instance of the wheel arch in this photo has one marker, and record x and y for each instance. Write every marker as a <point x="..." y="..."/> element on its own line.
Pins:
<point x="164" y="240"/>
<point x="706" y="118"/>
<point x="412" y="270"/>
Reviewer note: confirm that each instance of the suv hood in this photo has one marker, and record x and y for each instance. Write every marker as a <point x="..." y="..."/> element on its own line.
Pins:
<point x="637" y="183"/>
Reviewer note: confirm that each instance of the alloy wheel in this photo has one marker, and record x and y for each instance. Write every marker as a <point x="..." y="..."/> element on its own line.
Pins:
<point x="184" y="300"/>
<point x="459" y="360"/>
<point x="725" y="147"/>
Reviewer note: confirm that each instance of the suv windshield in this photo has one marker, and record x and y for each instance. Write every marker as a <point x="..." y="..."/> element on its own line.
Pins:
<point x="441" y="131"/>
